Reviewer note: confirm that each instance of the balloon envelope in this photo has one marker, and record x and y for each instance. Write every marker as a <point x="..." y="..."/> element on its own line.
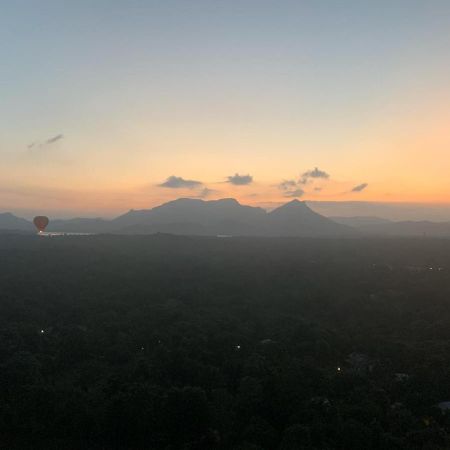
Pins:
<point x="40" y="222"/>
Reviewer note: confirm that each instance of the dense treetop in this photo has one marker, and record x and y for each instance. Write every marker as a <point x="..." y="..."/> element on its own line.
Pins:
<point x="170" y="342"/>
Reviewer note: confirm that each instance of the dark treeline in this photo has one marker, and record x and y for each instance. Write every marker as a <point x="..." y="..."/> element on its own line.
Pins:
<point x="163" y="342"/>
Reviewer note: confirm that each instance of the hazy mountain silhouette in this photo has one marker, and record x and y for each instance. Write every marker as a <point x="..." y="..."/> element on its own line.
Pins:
<point x="360" y="221"/>
<point x="228" y="217"/>
<point x="297" y="219"/>
<point x="11" y="222"/>
<point x="194" y="216"/>
<point x="81" y="225"/>
<point x="205" y="218"/>
<point x="408" y="228"/>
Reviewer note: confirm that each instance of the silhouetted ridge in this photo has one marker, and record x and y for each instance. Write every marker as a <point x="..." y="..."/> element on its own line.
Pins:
<point x="208" y="218"/>
<point x="228" y="216"/>
<point x="297" y="219"/>
<point x="11" y="222"/>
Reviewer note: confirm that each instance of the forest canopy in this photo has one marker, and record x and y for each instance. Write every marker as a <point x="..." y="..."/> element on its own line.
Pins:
<point x="166" y="342"/>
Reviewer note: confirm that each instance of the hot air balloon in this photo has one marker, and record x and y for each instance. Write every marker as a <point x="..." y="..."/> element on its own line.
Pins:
<point x="40" y="222"/>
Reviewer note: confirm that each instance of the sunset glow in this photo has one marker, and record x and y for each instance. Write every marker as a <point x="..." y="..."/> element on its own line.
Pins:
<point x="101" y="106"/>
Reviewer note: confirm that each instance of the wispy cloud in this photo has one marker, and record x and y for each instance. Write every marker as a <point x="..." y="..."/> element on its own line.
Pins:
<point x="54" y="139"/>
<point x="47" y="142"/>
<point x="295" y="188"/>
<point x="285" y="185"/>
<point x="295" y="193"/>
<point x="174" y="182"/>
<point x="359" y="187"/>
<point x="240" y="180"/>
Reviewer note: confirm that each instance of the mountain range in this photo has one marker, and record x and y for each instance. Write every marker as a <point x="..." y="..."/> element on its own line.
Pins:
<point x="227" y="217"/>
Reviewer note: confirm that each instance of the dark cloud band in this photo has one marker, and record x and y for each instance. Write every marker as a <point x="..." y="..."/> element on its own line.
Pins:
<point x="174" y="182"/>
<point x="359" y="187"/>
<point x="240" y="180"/>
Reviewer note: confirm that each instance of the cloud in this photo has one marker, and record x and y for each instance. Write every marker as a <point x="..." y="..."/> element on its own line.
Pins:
<point x="285" y="185"/>
<point x="54" y="139"/>
<point x="174" y="182"/>
<point x="240" y="180"/>
<point x="359" y="187"/>
<point x="295" y="193"/>
<point x="315" y="173"/>
<point x="293" y="188"/>
<point x="46" y="143"/>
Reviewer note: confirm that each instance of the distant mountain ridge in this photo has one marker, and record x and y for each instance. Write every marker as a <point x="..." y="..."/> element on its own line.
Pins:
<point x="422" y="228"/>
<point x="297" y="219"/>
<point x="209" y="218"/>
<point x="228" y="217"/>
<point x="360" y="221"/>
<point x="10" y="222"/>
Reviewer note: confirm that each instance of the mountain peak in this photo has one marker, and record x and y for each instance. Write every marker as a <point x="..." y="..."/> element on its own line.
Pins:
<point x="295" y="202"/>
<point x="226" y="201"/>
<point x="294" y="205"/>
<point x="296" y="218"/>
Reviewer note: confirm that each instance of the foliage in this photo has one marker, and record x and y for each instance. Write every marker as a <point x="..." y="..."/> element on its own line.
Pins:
<point x="165" y="342"/>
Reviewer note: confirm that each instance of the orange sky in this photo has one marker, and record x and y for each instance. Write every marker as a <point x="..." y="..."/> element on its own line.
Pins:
<point x="97" y="113"/>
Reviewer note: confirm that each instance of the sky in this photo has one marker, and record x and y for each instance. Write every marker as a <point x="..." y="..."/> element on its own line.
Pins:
<point x="112" y="105"/>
